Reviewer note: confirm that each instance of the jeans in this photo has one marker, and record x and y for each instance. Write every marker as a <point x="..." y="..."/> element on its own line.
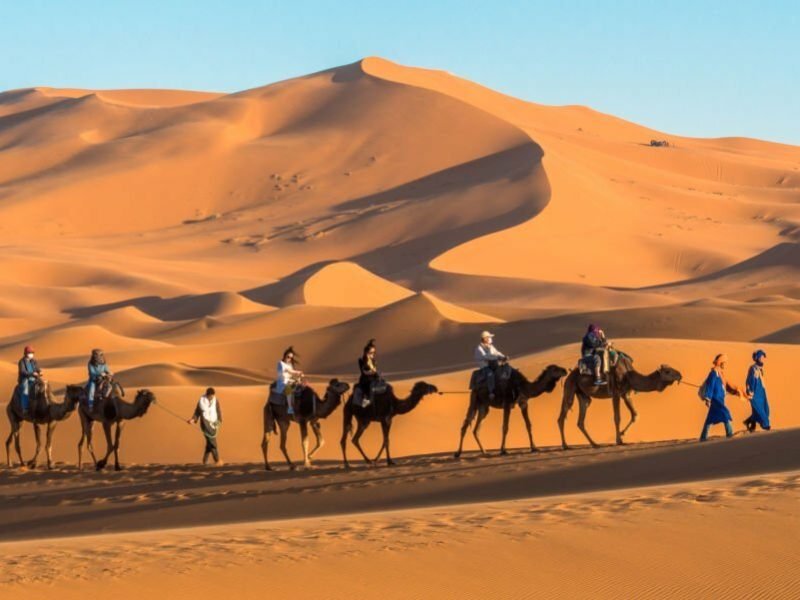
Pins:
<point x="91" y="391"/>
<point x="211" y="448"/>
<point x="488" y="373"/>
<point x="704" y="434"/>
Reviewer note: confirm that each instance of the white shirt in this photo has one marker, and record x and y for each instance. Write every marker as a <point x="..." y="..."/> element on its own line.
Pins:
<point x="208" y="408"/>
<point x="485" y="353"/>
<point x="286" y="375"/>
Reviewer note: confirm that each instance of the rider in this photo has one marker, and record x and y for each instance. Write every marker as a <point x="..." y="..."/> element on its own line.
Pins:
<point x="593" y="349"/>
<point x="28" y="372"/>
<point x="289" y="376"/>
<point x="488" y="357"/>
<point x="368" y="369"/>
<point x="98" y="370"/>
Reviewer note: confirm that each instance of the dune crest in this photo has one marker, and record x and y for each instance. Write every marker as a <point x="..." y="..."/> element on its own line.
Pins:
<point x="347" y="284"/>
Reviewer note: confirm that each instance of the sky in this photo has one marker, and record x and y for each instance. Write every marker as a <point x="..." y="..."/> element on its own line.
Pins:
<point x="698" y="68"/>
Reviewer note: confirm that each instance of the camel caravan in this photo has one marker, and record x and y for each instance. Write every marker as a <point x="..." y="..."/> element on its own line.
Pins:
<point x="602" y="372"/>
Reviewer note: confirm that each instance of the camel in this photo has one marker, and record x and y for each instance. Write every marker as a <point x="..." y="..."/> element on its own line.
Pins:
<point x="518" y="391"/>
<point x="623" y="379"/>
<point x="110" y="410"/>
<point x="383" y="408"/>
<point x="310" y="409"/>
<point x="43" y="411"/>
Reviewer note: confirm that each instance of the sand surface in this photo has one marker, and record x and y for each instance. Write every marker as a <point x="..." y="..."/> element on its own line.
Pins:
<point x="195" y="235"/>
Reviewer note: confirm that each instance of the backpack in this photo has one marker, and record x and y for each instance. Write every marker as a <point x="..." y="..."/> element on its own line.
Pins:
<point x="701" y="391"/>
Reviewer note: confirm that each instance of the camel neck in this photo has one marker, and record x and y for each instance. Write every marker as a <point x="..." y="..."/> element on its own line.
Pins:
<point x="402" y="406"/>
<point x="644" y="383"/>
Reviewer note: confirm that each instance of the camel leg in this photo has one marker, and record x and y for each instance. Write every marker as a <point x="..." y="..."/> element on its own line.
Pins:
<point x="48" y="446"/>
<point x="90" y="443"/>
<point x="380" y="450"/>
<point x="120" y="426"/>
<point x="8" y="446"/>
<point x="506" y="414"/>
<point x="37" y="433"/>
<point x="347" y="427"/>
<point x="101" y="464"/>
<point x="616" y="404"/>
<point x="17" y="445"/>
<point x="304" y="443"/>
<point x="283" y="427"/>
<point x="566" y="405"/>
<point x="523" y="408"/>
<point x="317" y="429"/>
<point x="360" y="429"/>
<point x="86" y="436"/>
<point x="13" y="434"/>
<point x="471" y="411"/>
<point x="583" y="404"/>
<point x="632" y="410"/>
<point x="386" y="427"/>
<point x="482" y="412"/>
<point x="265" y="448"/>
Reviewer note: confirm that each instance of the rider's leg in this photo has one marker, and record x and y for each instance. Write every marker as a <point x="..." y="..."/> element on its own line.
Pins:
<point x="289" y="392"/>
<point x="598" y="370"/>
<point x="490" y="381"/>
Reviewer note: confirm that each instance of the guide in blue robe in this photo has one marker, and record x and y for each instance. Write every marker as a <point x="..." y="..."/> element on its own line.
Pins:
<point x="715" y="389"/>
<point x="758" y="394"/>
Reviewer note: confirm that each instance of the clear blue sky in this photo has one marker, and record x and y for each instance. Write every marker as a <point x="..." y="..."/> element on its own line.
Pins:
<point x="705" y="68"/>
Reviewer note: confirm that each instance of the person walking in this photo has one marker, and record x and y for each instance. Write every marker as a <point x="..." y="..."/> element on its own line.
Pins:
<point x="713" y="391"/>
<point x="209" y="413"/>
<point x="757" y="393"/>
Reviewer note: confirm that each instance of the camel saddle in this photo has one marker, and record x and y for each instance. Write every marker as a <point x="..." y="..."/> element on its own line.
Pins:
<point x="376" y="388"/>
<point x="279" y="399"/>
<point x="501" y="374"/>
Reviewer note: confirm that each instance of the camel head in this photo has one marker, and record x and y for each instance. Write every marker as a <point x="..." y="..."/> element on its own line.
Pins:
<point x="144" y="398"/>
<point x="336" y="389"/>
<point x="74" y="395"/>
<point x="423" y="388"/>
<point x="667" y="376"/>
<point x="554" y="374"/>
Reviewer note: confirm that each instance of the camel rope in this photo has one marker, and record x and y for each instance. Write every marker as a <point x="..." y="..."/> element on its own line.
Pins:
<point x="690" y="383"/>
<point x="170" y="412"/>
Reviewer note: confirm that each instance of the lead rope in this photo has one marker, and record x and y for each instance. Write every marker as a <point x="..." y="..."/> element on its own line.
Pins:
<point x="174" y="414"/>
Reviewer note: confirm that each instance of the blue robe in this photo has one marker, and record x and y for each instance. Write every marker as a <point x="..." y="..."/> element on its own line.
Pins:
<point x="715" y="393"/>
<point x="26" y="376"/>
<point x="758" y="402"/>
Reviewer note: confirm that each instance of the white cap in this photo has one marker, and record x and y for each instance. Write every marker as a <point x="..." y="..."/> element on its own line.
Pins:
<point x="486" y="334"/>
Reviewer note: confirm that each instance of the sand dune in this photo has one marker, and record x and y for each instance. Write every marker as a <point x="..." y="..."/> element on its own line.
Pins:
<point x="194" y="236"/>
<point x="347" y="284"/>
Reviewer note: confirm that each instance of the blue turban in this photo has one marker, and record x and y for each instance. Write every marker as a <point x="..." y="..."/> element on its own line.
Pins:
<point x="758" y="354"/>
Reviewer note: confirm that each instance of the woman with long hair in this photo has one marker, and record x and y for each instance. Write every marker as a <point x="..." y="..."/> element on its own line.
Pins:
<point x="289" y="376"/>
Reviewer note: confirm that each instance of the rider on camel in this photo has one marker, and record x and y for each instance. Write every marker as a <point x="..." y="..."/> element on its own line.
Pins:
<point x="27" y="373"/>
<point x="488" y="357"/>
<point x="593" y="350"/>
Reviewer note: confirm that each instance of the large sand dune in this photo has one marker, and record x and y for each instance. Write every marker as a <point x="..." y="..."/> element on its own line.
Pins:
<point x="194" y="236"/>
